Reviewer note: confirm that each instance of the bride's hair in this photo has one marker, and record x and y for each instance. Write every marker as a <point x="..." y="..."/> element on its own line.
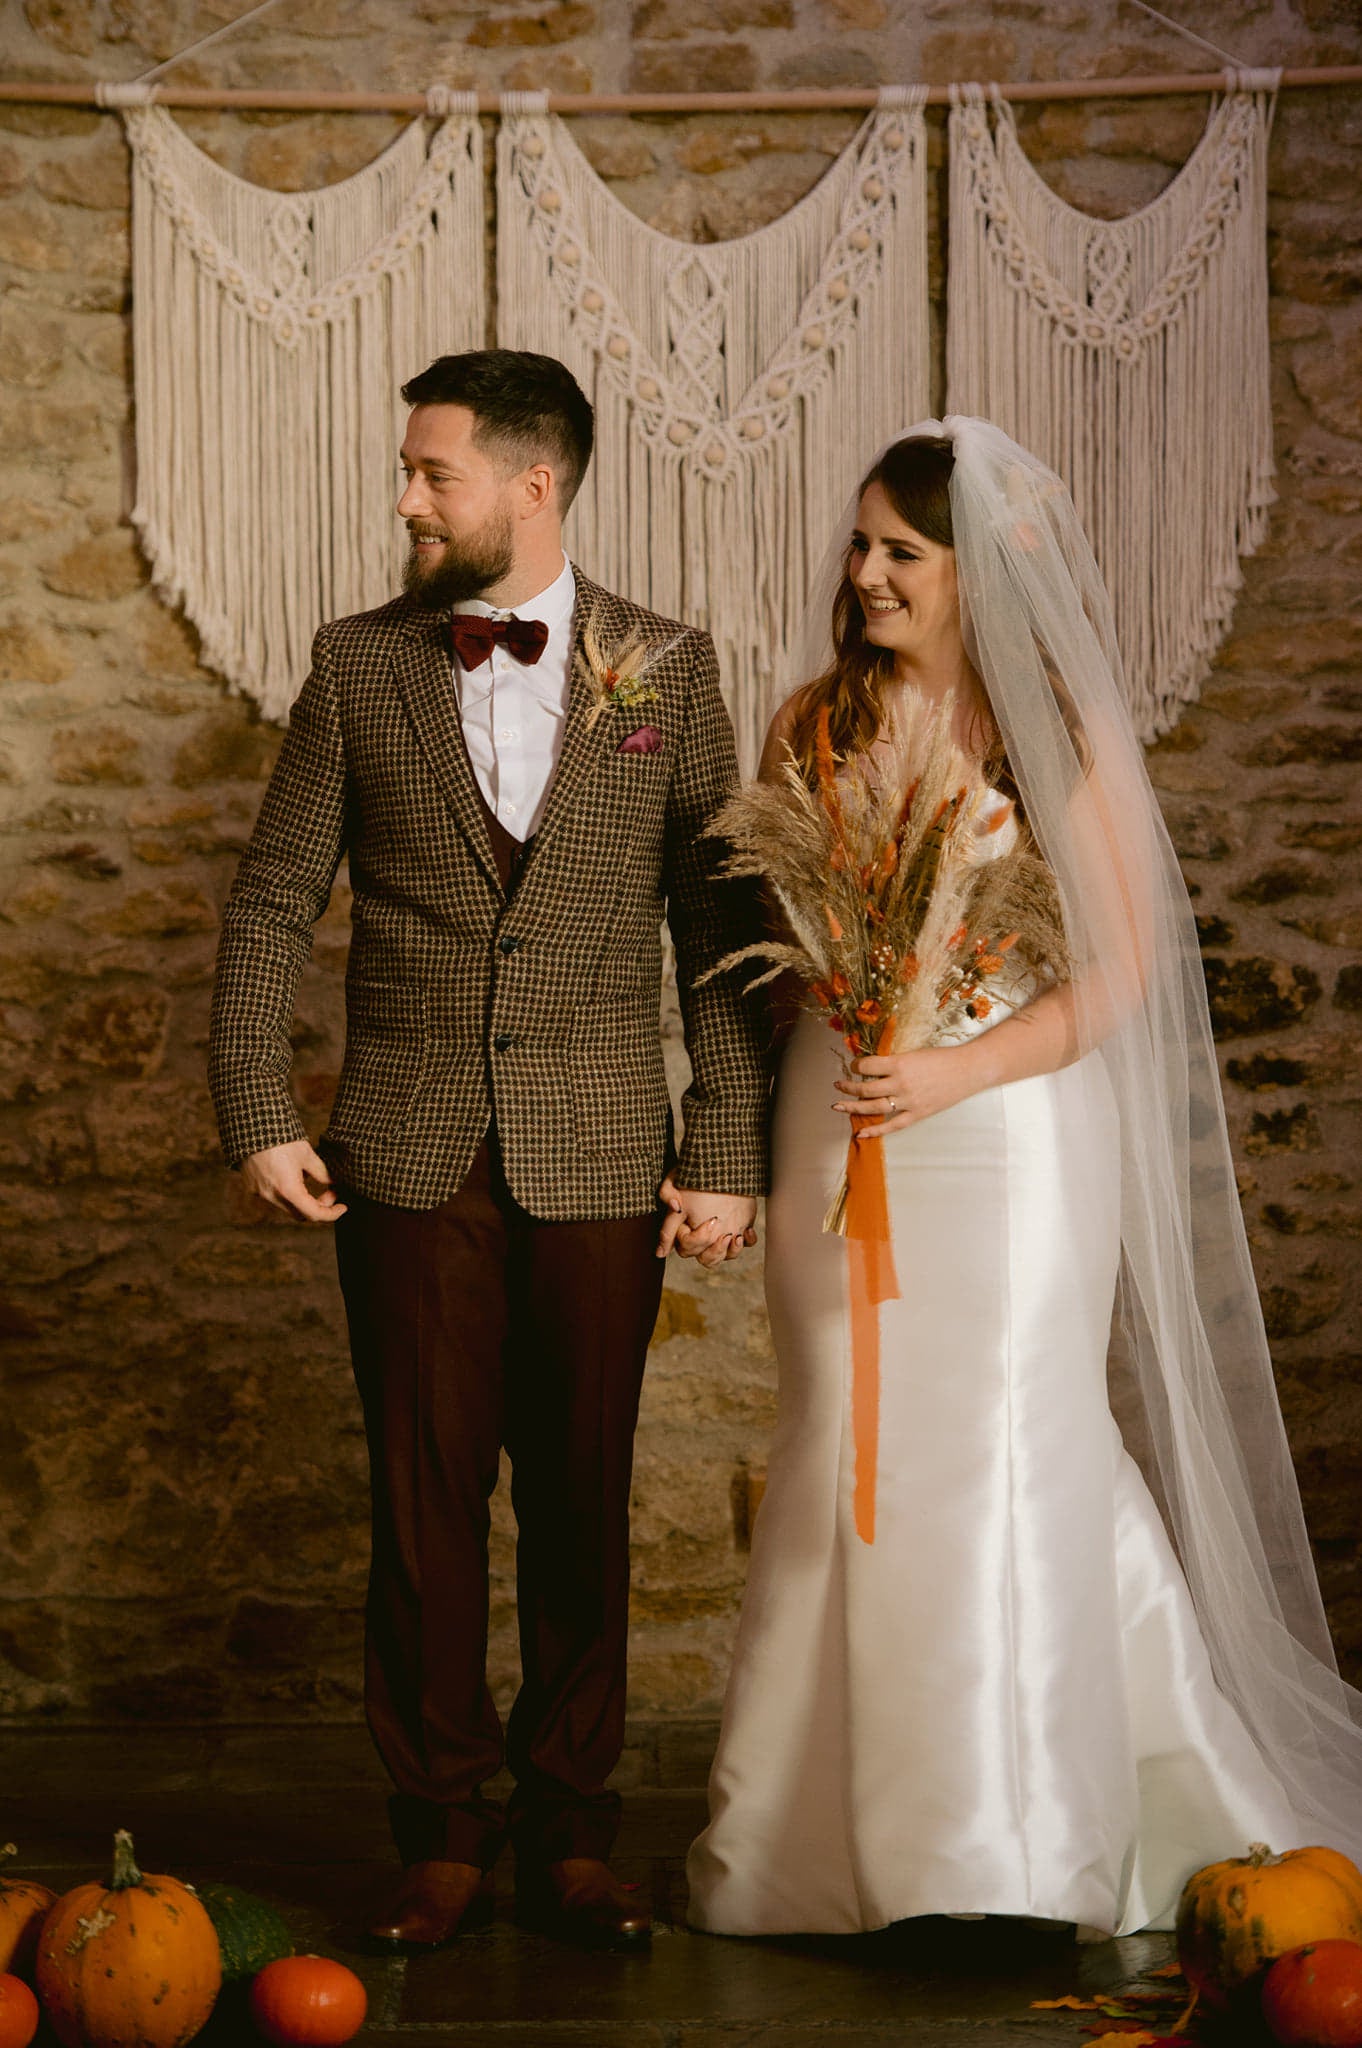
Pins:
<point x="915" y="476"/>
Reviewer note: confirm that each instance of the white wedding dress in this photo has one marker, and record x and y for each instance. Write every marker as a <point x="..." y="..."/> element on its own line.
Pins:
<point x="1002" y="1705"/>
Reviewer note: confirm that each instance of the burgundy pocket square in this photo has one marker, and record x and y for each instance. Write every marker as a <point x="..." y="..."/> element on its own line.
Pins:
<point x="644" y="739"/>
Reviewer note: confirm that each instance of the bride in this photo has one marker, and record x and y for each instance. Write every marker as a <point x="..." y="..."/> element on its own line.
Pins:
<point x="1054" y="1681"/>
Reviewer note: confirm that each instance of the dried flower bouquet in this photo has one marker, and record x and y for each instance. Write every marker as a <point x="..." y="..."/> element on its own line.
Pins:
<point x="900" y="889"/>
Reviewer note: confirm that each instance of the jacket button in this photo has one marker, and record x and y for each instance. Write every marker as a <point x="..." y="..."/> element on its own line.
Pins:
<point x="508" y="942"/>
<point x="504" y="1040"/>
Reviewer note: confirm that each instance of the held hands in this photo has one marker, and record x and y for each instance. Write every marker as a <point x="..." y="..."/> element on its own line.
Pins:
<point x="710" y="1228"/>
<point x="902" y="1088"/>
<point x="280" y="1177"/>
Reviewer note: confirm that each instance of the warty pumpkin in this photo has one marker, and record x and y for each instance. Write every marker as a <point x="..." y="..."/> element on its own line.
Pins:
<point x="1236" y="1917"/>
<point x="250" y="1933"/>
<point x="131" y="1964"/>
<point x="23" y="1903"/>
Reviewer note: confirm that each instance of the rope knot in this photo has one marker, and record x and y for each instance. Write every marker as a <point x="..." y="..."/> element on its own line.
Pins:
<point x="442" y="101"/>
<point x="127" y="92"/>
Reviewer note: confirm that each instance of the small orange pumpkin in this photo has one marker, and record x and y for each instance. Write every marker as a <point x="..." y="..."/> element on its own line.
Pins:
<point x="22" y="1905"/>
<point x="1236" y="1917"/>
<point x="133" y="1964"/>
<point x="1312" y="1998"/>
<point x="308" y="2002"/>
<point x="18" y="2013"/>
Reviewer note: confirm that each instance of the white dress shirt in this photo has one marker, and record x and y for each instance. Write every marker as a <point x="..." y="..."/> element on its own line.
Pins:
<point x="513" y="713"/>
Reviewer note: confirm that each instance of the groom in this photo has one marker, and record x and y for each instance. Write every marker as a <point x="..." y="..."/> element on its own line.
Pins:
<point x="518" y="816"/>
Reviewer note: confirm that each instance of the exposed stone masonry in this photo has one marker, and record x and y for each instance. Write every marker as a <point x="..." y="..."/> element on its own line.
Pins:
<point x="182" y="1483"/>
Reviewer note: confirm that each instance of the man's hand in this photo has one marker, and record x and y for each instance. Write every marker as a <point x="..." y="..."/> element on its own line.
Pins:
<point x="710" y="1228"/>
<point x="280" y="1177"/>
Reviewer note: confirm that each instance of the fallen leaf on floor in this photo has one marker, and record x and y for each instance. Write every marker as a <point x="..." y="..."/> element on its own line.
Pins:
<point x="1066" y="2004"/>
<point x="1138" y="2037"/>
<point x="1164" y="1970"/>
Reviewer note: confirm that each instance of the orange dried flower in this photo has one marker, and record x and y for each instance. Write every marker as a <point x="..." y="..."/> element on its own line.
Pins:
<point x="826" y="765"/>
<point x="868" y="1012"/>
<point x="840" y="985"/>
<point x="834" y="923"/>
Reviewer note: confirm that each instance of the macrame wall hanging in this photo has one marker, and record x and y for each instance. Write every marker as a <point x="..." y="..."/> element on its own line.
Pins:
<point x="271" y="332"/>
<point x="739" y="386"/>
<point x="1132" y="356"/>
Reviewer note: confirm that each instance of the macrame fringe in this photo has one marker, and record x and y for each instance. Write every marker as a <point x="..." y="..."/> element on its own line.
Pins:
<point x="739" y="386"/>
<point x="271" y="332"/>
<point x="1132" y="356"/>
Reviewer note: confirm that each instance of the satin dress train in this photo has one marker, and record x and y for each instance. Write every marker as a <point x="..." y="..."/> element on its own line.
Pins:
<point x="1002" y="1705"/>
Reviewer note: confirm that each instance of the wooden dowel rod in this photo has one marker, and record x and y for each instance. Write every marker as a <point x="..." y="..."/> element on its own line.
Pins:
<point x="82" y="94"/>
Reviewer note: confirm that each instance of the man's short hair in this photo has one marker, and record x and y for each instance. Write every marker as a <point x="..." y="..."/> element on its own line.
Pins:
<point x="528" y="408"/>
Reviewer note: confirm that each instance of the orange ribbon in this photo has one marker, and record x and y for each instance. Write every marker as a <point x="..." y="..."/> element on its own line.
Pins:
<point x="872" y="1280"/>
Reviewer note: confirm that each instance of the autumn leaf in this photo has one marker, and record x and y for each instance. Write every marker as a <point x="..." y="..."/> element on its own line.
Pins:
<point x="1137" y="2037"/>
<point x="1166" y="1970"/>
<point x="1066" y="2004"/>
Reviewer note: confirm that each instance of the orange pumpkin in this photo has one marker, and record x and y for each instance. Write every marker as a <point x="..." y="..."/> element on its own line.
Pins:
<point x="308" y="2002"/>
<point x="133" y="1964"/>
<point x="1235" y="1918"/>
<point x="18" y="2013"/>
<point x="1312" y="1998"/>
<point x="22" y="1905"/>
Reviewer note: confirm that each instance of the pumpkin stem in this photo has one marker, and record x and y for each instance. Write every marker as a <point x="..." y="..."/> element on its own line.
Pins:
<point x="1259" y="1854"/>
<point x="125" y="1871"/>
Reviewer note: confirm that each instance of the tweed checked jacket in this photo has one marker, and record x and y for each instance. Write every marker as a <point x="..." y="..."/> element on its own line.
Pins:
<point x="541" y="1012"/>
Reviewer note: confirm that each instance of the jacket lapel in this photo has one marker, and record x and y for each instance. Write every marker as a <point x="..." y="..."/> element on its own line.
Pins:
<point x="583" y="743"/>
<point x="426" y="680"/>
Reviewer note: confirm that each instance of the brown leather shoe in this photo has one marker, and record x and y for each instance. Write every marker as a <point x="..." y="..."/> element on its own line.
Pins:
<point x="582" y="1901"/>
<point x="433" y="1902"/>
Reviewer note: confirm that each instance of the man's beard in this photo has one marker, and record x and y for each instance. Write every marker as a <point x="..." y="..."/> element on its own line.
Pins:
<point x="464" y="568"/>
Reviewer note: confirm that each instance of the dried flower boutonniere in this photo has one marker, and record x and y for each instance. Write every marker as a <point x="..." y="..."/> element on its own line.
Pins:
<point x="620" y="681"/>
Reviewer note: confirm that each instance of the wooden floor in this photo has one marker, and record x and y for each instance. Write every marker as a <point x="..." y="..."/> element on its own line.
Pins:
<point x="298" y="1815"/>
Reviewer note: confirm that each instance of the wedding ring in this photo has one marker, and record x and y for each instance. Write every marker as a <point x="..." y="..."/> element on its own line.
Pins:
<point x="892" y="1107"/>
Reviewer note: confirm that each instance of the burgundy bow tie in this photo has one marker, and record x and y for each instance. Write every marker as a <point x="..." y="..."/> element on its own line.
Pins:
<point x="474" y="636"/>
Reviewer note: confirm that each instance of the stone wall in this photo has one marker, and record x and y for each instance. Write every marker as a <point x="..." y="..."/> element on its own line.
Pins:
<point x="182" y="1490"/>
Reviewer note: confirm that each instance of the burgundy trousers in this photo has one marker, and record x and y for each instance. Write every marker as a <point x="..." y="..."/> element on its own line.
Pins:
<point x="475" y="1325"/>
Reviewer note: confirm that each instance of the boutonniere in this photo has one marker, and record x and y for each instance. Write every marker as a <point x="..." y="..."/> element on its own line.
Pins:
<point x="620" y="680"/>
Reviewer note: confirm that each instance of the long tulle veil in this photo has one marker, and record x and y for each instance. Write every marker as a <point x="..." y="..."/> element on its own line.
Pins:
<point x="1201" y="1412"/>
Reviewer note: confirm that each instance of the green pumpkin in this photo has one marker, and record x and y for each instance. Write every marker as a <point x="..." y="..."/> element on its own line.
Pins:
<point x="250" y="1933"/>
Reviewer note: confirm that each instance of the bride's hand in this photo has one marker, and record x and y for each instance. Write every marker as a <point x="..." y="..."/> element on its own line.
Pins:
<point x="901" y="1088"/>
